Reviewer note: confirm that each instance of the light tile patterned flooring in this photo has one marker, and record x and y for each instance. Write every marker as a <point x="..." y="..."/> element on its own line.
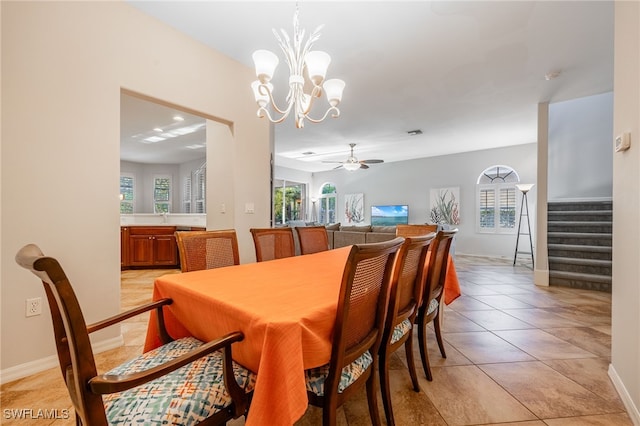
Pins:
<point x="517" y="354"/>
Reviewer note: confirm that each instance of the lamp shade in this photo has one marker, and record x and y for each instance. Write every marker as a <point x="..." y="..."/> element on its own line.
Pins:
<point x="525" y="187"/>
<point x="265" y="63"/>
<point x="317" y="63"/>
<point x="334" y="88"/>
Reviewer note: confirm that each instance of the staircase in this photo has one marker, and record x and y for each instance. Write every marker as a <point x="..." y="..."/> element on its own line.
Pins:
<point x="579" y="244"/>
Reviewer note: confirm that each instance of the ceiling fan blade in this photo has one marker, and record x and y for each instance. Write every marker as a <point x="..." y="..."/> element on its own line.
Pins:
<point x="372" y="161"/>
<point x="363" y="166"/>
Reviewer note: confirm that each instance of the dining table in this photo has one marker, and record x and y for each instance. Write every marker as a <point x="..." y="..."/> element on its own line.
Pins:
<point x="285" y="308"/>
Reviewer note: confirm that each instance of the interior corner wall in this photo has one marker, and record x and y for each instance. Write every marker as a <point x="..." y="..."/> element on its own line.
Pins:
<point x="410" y="182"/>
<point x="64" y="65"/>
<point x="580" y="148"/>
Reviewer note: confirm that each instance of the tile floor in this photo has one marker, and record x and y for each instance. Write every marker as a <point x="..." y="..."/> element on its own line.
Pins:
<point x="517" y="354"/>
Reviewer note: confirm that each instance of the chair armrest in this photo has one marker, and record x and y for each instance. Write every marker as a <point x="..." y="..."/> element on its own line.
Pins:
<point x="105" y="384"/>
<point x="128" y="314"/>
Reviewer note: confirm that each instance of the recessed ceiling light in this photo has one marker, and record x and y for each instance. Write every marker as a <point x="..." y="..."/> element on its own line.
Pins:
<point x="551" y="75"/>
<point x="414" y="132"/>
<point x="157" y="129"/>
<point x="178" y="118"/>
<point x="152" y="139"/>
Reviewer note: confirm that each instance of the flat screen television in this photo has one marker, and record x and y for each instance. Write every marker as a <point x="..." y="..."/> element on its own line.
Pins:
<point x="389" y="215"/>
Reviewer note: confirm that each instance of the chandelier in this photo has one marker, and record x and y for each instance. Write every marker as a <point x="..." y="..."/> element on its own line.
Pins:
<point x="298" y="57"/>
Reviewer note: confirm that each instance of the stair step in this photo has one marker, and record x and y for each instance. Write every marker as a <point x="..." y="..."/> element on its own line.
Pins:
<point x="580" y="238"/>
<point x="579" y="251"/>
<point x="599" y="249"/>
<point x="595" y="227"/>
<point x="580" y="261"/>
<point x="580" y="280"/>
<point x="581" y="223"/>
<point x="583" y="212"/>
<point x="580" y="265"/>
<point x="579" y="205"/>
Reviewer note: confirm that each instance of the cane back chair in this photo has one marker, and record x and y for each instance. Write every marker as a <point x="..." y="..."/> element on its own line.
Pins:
<point x="357" y="332"/>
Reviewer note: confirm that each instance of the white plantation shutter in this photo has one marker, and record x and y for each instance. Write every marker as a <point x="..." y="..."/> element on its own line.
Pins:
<point x="186" y="195"/>
<point x="496" y="200"/>
<point x="201" y="179"/>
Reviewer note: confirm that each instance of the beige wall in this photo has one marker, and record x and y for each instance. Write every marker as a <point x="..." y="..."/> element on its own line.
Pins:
<point x="64" y="65"/>
<point x="625" y="353"/>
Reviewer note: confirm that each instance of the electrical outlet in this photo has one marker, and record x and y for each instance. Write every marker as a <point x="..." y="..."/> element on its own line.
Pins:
<point x="34" y="307"/>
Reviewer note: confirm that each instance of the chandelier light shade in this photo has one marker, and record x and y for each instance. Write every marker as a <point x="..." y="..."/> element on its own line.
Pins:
<point x="299" y="57"/>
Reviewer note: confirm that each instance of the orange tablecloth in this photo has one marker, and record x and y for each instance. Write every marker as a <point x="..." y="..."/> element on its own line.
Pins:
<point x="286" y="309"/>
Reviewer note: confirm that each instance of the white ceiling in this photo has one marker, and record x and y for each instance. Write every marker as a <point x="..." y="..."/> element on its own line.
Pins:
<point x="468" y="74"/>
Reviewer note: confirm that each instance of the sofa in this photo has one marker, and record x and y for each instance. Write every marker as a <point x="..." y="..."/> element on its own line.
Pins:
<point x="341" y="236"/>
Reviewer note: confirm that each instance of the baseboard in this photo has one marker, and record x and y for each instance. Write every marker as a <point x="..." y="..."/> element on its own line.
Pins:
<point x="32" y="367"/>
<point x="541" y="277"/>
<point x="632" y="410"/>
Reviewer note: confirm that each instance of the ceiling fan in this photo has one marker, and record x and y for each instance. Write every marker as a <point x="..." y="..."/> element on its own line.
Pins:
<point x="352" y="163"/>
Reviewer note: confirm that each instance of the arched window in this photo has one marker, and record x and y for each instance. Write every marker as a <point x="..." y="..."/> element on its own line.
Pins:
<point x="327" y="202"/>
<point x="496" y="195"/>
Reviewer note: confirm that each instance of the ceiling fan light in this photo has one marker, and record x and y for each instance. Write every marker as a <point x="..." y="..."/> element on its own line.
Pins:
<point x="317" y="64"/>
<point x="265" y="63"/>
<point x="351" y="166"/>
<point x="334" y="88"/>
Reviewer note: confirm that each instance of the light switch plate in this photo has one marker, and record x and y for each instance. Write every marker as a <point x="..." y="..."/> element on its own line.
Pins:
<point x="622" y="142"/>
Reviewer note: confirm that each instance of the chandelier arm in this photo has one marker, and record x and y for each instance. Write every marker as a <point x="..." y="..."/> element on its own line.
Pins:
<point x="262" y="112"/>
<point x="264" y="90"/>
<point x="336" y="114"/>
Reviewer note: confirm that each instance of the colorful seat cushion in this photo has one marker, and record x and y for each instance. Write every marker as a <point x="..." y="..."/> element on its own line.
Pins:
<point x="433" y="305"/>
<point x="315" y="377"/>
<point x="400" y="330"/>
<point x="185" y="396"/>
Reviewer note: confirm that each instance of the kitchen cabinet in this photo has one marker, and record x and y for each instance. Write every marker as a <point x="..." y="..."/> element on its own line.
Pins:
<point x="149" y="246"/>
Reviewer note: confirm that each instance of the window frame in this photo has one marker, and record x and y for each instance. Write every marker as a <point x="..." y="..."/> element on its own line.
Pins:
<point x="170" y="193"/>
<point x="496" y="186"/>
<point x="132" y="202"/>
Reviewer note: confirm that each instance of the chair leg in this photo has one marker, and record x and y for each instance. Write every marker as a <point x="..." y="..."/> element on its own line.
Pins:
<point x="329" y="414"/>
<point x="437" y="326"/>
<point x="385" y="389"/>
<point x="422" y="341"/>
<point x="408" y="349"/>
<point x="372" y="397"/>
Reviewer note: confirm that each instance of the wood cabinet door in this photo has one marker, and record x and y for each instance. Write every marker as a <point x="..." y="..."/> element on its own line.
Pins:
<point x="141" y="250"/>
<point x="165" y="250"/>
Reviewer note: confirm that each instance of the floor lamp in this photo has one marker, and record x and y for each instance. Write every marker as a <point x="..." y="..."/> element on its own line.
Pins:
<point x="524" y="188"/>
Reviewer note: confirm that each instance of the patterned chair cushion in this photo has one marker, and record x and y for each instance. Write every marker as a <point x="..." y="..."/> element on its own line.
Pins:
<point x="400" y="330"/>
<point x="315" y="377"/>
<point x="185" y="397"/>
<point x="433" y="305"/>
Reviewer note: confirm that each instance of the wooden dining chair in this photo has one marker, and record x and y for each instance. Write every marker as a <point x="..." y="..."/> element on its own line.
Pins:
<point x="414" y="230"/>
<point x="357" y="332"/>
<point x="207" y="249"/>
<point x="431" y="305"/>
<point x="183" y="382"/>
<point x="273" y="243"/>
<point x="407" y="284"/>
<point x="313" y="239"/>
